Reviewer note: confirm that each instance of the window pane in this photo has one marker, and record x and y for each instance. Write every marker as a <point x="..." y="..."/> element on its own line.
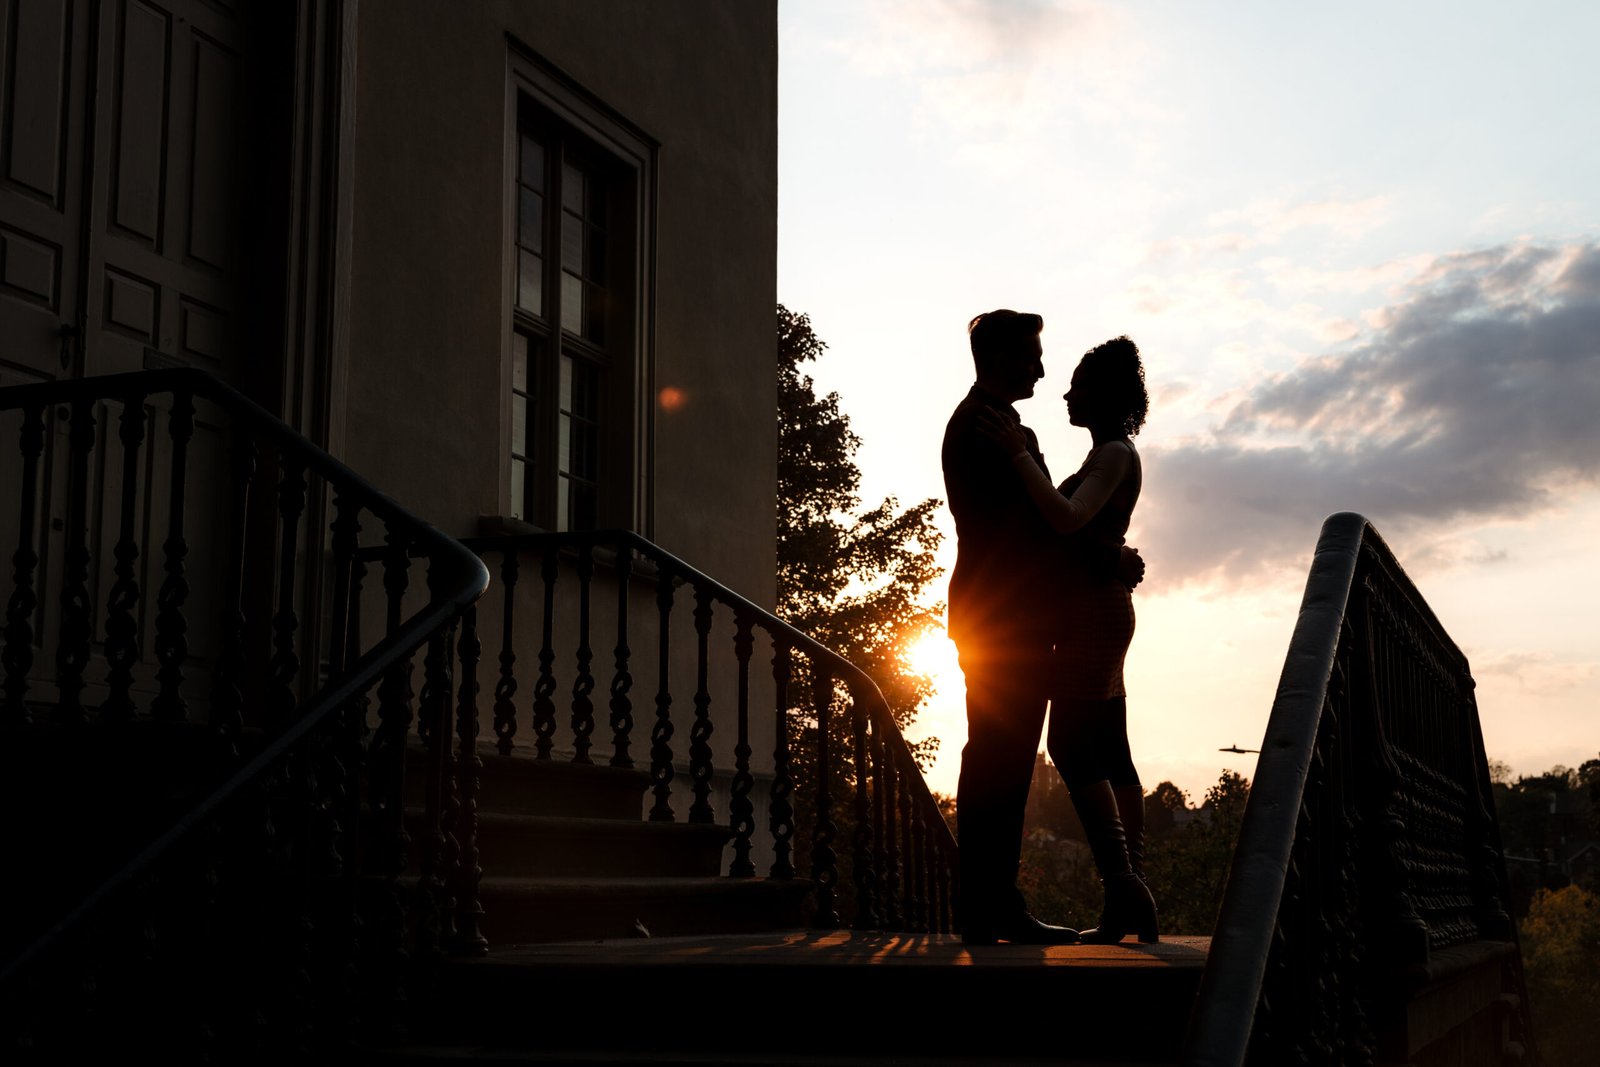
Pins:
<point x="571" y="243"/>
<point x="564" y="444"/>
<point x="586" y="390"/>
<point x="571" y="303"/>
<point x="519" y="425"/>
<point x="519" y="487"/>
<point x="532" y="165"/>
<point x="530" y="283"/>
<point x="563" y="499"/>
<point x="530" y="221"/>
<point x="519" y="364"/>
<point x="595" y="323"/>
<point x="572" y="188"/>
<point x="596" y="261"/>
<point x="583" y="506"/>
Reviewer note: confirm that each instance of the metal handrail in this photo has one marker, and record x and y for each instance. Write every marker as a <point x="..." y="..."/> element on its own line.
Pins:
<point x="1324" y="663"/>
<point x="460" y="579"/>
<point x="857" y="680"/>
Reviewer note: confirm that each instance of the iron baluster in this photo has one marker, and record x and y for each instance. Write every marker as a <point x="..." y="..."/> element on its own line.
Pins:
<point x="468" y="936"/>
<point x="228" y="688"/>
<point x="433" y="726"/>
<point x="622" y="681"/>
<point x="387" y="755"/>
<point x="337" y="777"/>
<point x="916" y="859"/>
<point x="865" y="874"/>
<point x="72" y="652"/>
<point x="544" y="709"/>
<point x="661" y="733"/>
<point x="505" y="688"/>
<point x="23" y="601"/>
<point x="172" y="643"/>
<point x="739" y="806"/>
<point x="700" y="733"/>
<point x="583" y="684"/>
<point x="780" y="819"/>
<point x="285" y="664"/>
<point x="122" y="631"/>
<point x="889" y="836"/>
<point x="824" y="861"/>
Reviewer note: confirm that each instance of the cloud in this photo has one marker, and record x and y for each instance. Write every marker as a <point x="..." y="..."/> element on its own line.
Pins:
<point x="996" y="71"/>
<point x="1472" y="399"/>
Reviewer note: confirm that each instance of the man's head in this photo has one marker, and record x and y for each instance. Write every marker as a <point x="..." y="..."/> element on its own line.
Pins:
<point x="1006" y="352"/>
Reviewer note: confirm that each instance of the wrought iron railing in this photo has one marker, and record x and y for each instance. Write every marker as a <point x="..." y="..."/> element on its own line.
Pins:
<point x="1368" y="869"/>
<point x="845" y="799"/>
<point x="185" y="605"/>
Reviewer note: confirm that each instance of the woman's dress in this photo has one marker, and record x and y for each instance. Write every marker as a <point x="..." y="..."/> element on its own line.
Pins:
<point x="1094" y="625"/>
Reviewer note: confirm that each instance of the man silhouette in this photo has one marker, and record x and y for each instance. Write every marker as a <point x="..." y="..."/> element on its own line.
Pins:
<point x="999" y="617"/>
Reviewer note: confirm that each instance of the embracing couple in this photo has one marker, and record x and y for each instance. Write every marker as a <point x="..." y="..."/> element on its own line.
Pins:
<point x="1041" y="612"/>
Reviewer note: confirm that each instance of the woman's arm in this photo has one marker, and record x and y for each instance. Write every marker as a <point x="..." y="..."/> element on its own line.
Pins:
<point x="1107" y="467"/>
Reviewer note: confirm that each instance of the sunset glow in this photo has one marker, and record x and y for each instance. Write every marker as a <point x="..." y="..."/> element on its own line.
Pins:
<point x="1370" y="290"/>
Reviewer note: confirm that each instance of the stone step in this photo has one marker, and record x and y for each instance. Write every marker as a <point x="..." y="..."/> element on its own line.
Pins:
<point x="802" y="998"/>
<point x="544" y="845"/>
<point x="521" y="784"/>
<point x="529" y="910"/>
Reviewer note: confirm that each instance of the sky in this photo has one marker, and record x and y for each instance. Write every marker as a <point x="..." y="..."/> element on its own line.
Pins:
<point x="1359" y="248"/>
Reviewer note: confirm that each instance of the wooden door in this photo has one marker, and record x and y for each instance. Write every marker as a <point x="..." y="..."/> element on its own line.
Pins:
<point x="122" y="205"/>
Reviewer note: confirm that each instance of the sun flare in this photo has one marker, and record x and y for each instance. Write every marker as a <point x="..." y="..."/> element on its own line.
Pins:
<point x="934" y="653"/>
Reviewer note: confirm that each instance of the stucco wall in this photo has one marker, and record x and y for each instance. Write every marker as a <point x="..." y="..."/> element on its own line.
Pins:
<point x="429" y="320"/>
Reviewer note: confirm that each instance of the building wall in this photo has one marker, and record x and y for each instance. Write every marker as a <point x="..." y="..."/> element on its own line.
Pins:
<point x="427" y="366"/>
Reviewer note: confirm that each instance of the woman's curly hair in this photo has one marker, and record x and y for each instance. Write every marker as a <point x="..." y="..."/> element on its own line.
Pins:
<point x="1114" y="371"/>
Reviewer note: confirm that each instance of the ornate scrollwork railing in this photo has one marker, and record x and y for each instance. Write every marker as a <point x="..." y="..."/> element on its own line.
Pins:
<point x="840" y="767"/>
<point x="208" y="852"/>
<point x="1368" y="873"/>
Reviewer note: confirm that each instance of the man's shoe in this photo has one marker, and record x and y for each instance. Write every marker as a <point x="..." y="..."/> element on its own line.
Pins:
<point x="1023" y="929"/>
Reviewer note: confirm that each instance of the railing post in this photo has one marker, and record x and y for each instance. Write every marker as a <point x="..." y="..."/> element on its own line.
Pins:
<point x="505" y="688"/>
<point x="780" y="820"/>
<point x="622" y="681"/>
<point x="227" y="694"/>
<point x="888" y="837"/>
<point x="824" y="861"/>
<point x="661" y="733"/>
<point x="23" y="602"/>
<point x="72" y="650"/>
<point x="700" y="733"/>
<point x="285" y="664"/>
<point x="469" y="937"/>
<point x="740" y="808"/>
<point x="544" y="709"/>
<point x="865" y="875"/>
<point x="583" y="684"/>
<point x="122" y="630"/>
<point x="172" y="645"/>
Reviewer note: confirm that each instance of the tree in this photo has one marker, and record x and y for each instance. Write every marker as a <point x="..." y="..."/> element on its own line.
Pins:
<point x="852" y="579"/>
<point x="1561" y="954"/>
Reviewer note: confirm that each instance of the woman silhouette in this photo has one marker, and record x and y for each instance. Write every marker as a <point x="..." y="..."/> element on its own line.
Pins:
<point x="1088" y="733"/>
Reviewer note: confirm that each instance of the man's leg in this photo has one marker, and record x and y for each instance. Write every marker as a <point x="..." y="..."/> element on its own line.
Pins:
<point x="1006" y="700"/>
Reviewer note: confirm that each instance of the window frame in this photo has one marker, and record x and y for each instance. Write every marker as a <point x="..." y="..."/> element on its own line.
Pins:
<point x="542" y="98"/>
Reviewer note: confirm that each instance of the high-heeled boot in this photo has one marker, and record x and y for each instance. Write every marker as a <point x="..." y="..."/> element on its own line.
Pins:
<point x="1129" y="907"/>
<point x="1130" y="806"/>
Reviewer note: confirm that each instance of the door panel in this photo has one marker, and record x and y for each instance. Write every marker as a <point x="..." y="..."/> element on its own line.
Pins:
<point x="43" y="46"/>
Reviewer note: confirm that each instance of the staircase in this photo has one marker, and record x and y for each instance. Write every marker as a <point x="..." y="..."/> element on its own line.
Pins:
<point x="575" y="859"/>
<point x="337" y="866"/>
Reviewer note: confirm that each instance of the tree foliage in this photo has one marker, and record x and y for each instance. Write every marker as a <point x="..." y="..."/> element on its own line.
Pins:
<point x="1188" y="854"/>
<point x="851" y="578"/>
